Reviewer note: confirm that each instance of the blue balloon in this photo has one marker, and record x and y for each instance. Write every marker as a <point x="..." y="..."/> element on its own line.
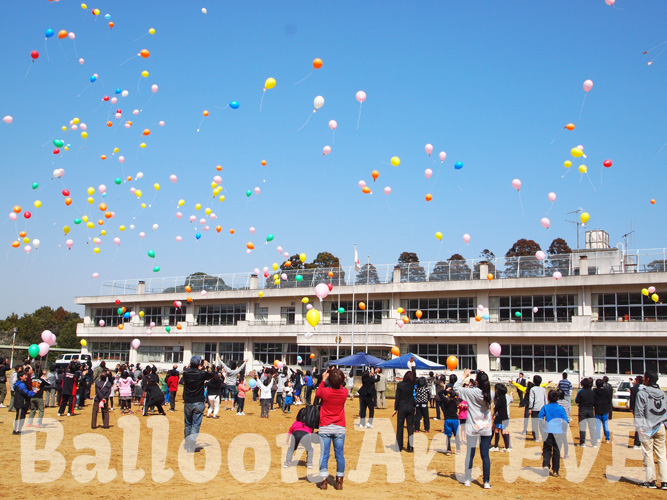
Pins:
<point x="198" y="235"/>
<point x="458" y="165"/>
<point x="252" y="383"/>
<point x="486" y="316"/>
<point x="118" y="91"/>
<point x="234" y="105"/>
<point x="93" y="78"/>
<point x="49" y="33"/>
<point x="126" y="315"/>
<point x="107" y="16"/>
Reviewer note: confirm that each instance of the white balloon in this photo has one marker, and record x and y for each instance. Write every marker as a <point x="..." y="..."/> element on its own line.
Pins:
<point x="318" y="102"/>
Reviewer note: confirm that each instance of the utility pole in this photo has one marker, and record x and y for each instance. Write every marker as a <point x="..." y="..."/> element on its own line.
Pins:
<point x="578" y="223"/>
<point x="11" y="360"/>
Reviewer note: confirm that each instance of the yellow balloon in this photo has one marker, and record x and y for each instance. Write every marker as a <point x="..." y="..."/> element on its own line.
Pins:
<point x="156" y="186"/>
<point x="66" y="148"/>
<point x="583" y="169"/>
<point x="181" y="203"/>
<point x="313" y="317"/>
<point x="84" y="342"/>
<point x="151" y="31"/>
<point x="122" y="228"/>
<point x="144" y="74"/>
<point x="91" y="225"/>
<point x="103" y="232"/>
<point x="645" y="291"/>
<point x="208" y="211"/>
<point x="305" y="300"/>
<point x="91" y="200"/>
<point x="84" y="218"/>
<point x="115" y="150"/>
<point x="143" y="205"/>
<point x="302" y="257"/>
<point x="576" y="152"/>
<point x="64" y="128"/>
<point x="38" y="203"/>
<point x="655" y="297"/>
<point x="198" y="206"/>
<point x="222" y="198"/>
<point x="213" y="185"/>
<point x="275" y="266"/>
<point x="584" y="217"/>
<point x="138" y="193"/>
<point x="269" y="83"/>
<point x="26" y="240"/>
<point x="276" y="277"/>
<point x="75" y="121"/>
<point x="91" y="191"/>
<point x="142" y="145"/>
<point x="395" y="161"/>
<point x="83" y="6"/>
<point x="96" y="250"/>
<point x="438" y="235"/>
<point x="141" y="314"/>
<point x="567" y="163"/>
<point x="276" y="282"/>
<point x="261" y="294"/>
<point x="84" y="135"/>
<point x="66" y="231"/>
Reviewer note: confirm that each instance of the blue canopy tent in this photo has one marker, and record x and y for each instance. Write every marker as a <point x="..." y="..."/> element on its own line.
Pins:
<point x="359" y="359"/>
<point x="402" y="362"/>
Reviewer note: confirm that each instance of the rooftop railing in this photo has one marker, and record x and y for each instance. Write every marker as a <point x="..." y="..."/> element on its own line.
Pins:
<point x="608" y="261"/>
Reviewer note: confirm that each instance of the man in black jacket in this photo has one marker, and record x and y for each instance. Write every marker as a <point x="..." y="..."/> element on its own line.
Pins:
<point x="521" y="381"/>
<point x="193" y="400"/>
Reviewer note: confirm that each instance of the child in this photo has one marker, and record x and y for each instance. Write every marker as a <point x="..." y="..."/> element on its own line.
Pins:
<point x="214" y="389"/>
<point x="501" y="420"/>
<point x="555" y="415"/>
<point x="287" y="396"/>
<point x="565" y="403"/>
<point x="243" y="387"/>
<point x="421" y="404"/>
<point x="463" y="416"/>
<point x="125" y="383"/>
<point x="450" y="404"/>
<point x="138" y="391"/>
<point x="39" y="385"/>
<point x="265" y="395"/>
<point x="299" y="433"/>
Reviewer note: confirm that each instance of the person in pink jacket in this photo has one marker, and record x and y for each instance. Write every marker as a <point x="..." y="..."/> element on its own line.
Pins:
<point x="124" y="384"/>
<point x="243" y="387"/>
<point x="299" y="433"/>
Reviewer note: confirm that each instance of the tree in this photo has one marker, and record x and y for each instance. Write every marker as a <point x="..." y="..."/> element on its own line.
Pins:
<point x="440" y="271"/>
<point x="368" y="275"/>
<point x="200" y="281"/>
<point x="559" y="257"/>
<point x="487" y="257"/>
<point x="521" y="260"/>
<point x="325" y="263"/>
<point x="458" y="268"/>
<point x="656" y="266"/>
<point x="411" y="271"/>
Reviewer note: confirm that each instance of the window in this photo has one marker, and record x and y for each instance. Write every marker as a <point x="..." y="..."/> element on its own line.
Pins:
<point x="261" y="314"/>
<point x="222" y="314"/>
<point x="110" y="316"/>
<point x="231" y="351"/>
<point x="442" y="310"/>
<point x="533" y="308"/>
<point x="173" y="354"/>
<point x="294" y="350"/>
<point x="539" y="358"/>
<point x="267" y="352"/>
<point x="438" y="353"/>
<point x="207" y="350"/>
<point x="177" y="315"/>
<point x="627" y="307"/>
<point x="110" y="351"/>
<point x="154" y="354"/>
<point x="629" y="360"/>
<point x="287" y="315"/>
<point x="375" y="311"/>
<point x="152" y="315"/>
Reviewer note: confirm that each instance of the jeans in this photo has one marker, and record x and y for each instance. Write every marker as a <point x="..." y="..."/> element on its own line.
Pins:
<point x="602" y="421"/>
<point x="339" y="448"/>
<point x="172" y="400"/>
<point x="265" y="405"/>
<point x="193" y="413"/>
<point x="484" y="445"/>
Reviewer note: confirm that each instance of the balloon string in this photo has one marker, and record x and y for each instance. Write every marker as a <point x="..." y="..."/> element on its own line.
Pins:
<point x="601" y="183"/>
<point x="437" y="258"/>
<point x="359" y="117"/>
<point x="552" y="205"/>
<point x="333" y="142"/>
<point x="303" y="79"/>
<point x="660" y="150"/>
<point x="139" y="38"/>
<point x="461" y="189"/>
<point x="261" y="102"/>
<point x="76" y="52"/>
<point x="126" y="60"/>
<point x="556" y="136"/>
<point x="309" y="117"/>
<point x="149" y="100"/>
<point x="566" y="172"/>
<point x="591" y="181"/>
<point x="582" y="105"/>
<point x="26" y="73"/>
<point x="200" y="123"/>
<point x="85" y="88"/>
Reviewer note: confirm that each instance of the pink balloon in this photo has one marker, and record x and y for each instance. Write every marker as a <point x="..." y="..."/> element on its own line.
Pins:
<point x="116" y="240"/>
<point x="333" y="124"/>
<point x="539" y="255"/>
<point x="580" y="147"/>
<point x="535" y="309"/>
<point x="361" y="184"/>
<point x="256" y="271"/>
<point x="101" y="322"/>
<point x="152" y="324"/>
<point x="203" y="293"/>
<point x="651" y="289"/>
<point x="71" y="35"/>
<point x="557" y="275"/>
<point x="552" y="196"/>
<point x="428" y="173"/>
<point x="322" y="290"/>
<point x="206" y="228"/>
<point x="114" y="100"/>
<point x="69" y="244"/>
<point x="326" y="150"/>
<point x="442" y="156"/>
<point x="516" y="184"/>
<point x="102" y="188"/>
<point x="202" y="221"/>
<point x="212" y="216"/>
<point x="252" y="230"/>
<point x="400" y="324"/>
<point x="27" y="249"/>
<point x="248" y="251"/>
<point x="480" y="307"/>
<point x="133" y="190"/>
<point x="266" y="269"/>
<point x="257" y="190"/>
<point x="135" y="112"/>
<point x="610" y="2"/>
<point x="46" y="336"/>
<point x="495" y="349"/>
<point x="286" y="255"/>
<point x="8" y="119"/>
<point x="43" y="348"/>
<point x="96" y="275"/>
<point x="429" y="149"/>
<point x="361" y="96"/>
<point x="217" y="179"/>
<point x="12" y="216"/>
<point x="161" y="123"/>
<point x="280" y="250"/>
<point x="136" y="343"/>
<point x="121" y="159"/>
<point x="283" y="277"/>
<point x="148" y="331"/>
<point x="179" y="215"/>
<point x="466" y="238"/>
<point x="142" y="234"/>
<point x="588" y="85"/>
<point x="545" y="222"/>
<point x="387" y="190"/>
<point x="309" y="306"/>
<point x="193" y="218"/>
<point x="173" y="178"/>
<point x="154" y="88"/>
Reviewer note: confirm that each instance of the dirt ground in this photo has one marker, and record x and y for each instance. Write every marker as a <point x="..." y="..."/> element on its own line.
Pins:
<point x="372" y="469"/>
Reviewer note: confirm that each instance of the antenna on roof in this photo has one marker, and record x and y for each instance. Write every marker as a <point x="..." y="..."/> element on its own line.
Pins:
<point x="578" y="223"/>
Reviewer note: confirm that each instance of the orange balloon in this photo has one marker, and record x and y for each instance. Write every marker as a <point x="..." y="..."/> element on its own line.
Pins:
<point x="231" y="231"/>
<point x="263" y="163"/>
<point x="205" y="112"/>
<point x="362" y="306"/>
<point x="250" y="245"/>
<point x="406" y="319"/>
<point x="489" y="276"/>
<point x="144" y="53"/>
<point x="330" y="274"/>
<point x="124" y="310"/>
<point x="103" y="207"/>
<point x="109" y="124"/>
<point x="62" y="34"/>
<point x="312" y="355"/>
<point x="111" y="24"/>
<point x="178" y="327"/>
<point x="108" y="215"/>
<point x="218" y="168"/>
<point x="429" y="197"/>
<point x="17" y="209"/>
<point x="147" y="131"/>
<point x="570" y="126"/>
<point x="288" y="263"/>
<point x="68" y="201"/>
<point x="188" y="288"/>
<point x="104" y="157"/>
<point x="100" y="222"/>
<point x="317" y="63"/>
<point x="16" y="244"/>
<point x="365" y="189"/>
<point x="120" y="327"/>
<point x="418" y="314"/>
<point x="218" y="228"/>
<point x="129" y="123"/>
<point x="129" y="178"/>
<point x="189" y="299"/>
<point x="478" y="318"/>
<point x="375" y="175"/>
<point x="395" y="351"/>
<point x="452" y="363"/>
<point x="23" y="234"/>
<point x="652" y="202"/>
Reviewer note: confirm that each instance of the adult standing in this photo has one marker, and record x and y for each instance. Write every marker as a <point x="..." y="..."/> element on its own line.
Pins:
<point x="102" y="393"/>
<point x="632" y="405"/>
<point x="439" y="402"/>
<point x="381" y="389"/>
<point x="367" y="397"/>
<point x="332" y="425"/>
<point x="404" y="407"/>
<point x="99" y="370"/>
<point x="565" y="385"/>
<point x="650" y="419"/>
<point x="478" y="423"/>
<point x="172" y="386"/>
<point x="521" y="380"/>
<point x="22" y="397"/>
<point x="308" y="389"/>
<point x="422" y="395"/>
<point x="586" y="401"/>
<point x="193" y="400"/>
<point x="607" y="386"/>
<point x="137" y="372"/>
<point x="4" y="368"/>
<point x="280" y="386"/>
<point x="602" y="402"/>
<point x="537" y="400"/>
<point x="51" y="378"/>
<point x="232" y="373"/>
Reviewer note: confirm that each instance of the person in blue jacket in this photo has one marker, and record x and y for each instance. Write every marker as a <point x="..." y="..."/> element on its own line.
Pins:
<point x="21" y="401"/>
<point x="555" y="415"/>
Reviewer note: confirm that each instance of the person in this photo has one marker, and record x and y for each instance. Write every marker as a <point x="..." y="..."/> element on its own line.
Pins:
<point x="350" y="383"/>
<point x="308" y="388"/>
<point x="194" y="378"/>
<point x="422" y="395"/>
<point x="124" y="385"/>
<point x="367" y="397"/>
<point x="99" y="369"/>
<point x="265" y="395"/>
<point x="299" y="433"/>
<point x="138" y="391"/>
<point x="4" y="368"/>
<point x="51" y="391"/>
<point x="650" y="419"/>
<point x="22" y="397"/>
<point x="404" y="407"/>
<point x="39" y="385"/>
<point x="154" y="396"/>
<point x="242" y="388"/>
<point x="565" y="403"/>
<point x="297" y="387"/>
<point x="138" y="372"/>
<point x="632" y="404"/>
<point x="102" y="393"/>
<point x="13" y="378"/>
<point x="380" y="389"/>
<point x="439" y="402"/>
<point x="601" y="404"/>
<point x="565" y="385"/>
<point x="214" y="393"/>
<point x="82" y="386"/>
<point x="450" y="404"/>
<point x="172" y="385"/>
<point x="524" y="396"/>
<point x="554" y="415"/>
<point x="287" y="396"/>
<point x="586" y="400"/>
<point x="478" y="424"/>
<point x="607" y="386"/>
<point x="537" y="399"/>
<point x="430" y="381"/>
<point x="69" y="389"/>
<point x="463" y="417"/>
<point x="280" y="386"/>
<point x="521" y="382"/>
<point x="332" y="424"/>
<point x="501" y="417"/>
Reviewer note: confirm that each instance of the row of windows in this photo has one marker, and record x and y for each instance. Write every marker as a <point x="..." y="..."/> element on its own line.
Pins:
<point x="628" y="307"/>
<point x="160" y="354"/>
<point x="227" y="351"/>
<point x="537" y="358"/>
<point x="155" y="315"/>
<point x="268" y="352"/>
<point x="629" y="360"/>
<point x="535" y="308"/>
<point x="375" y="311"/>
<point x="225" y="314"/>
<point x="110" y="351"/>
<point x="438" y="353"/>
<point x="445" y="310"/>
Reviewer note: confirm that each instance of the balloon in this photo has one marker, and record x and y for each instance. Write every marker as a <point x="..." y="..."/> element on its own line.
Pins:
<point x="269" y="83"/>
<point x="136" y="343"/>
<point x="313" y="317"/>
<point x="588" y="85"/>
<point x="645" y="292"/>
<point x="466" y="238"/>
<point x="495" y="349"/>
<point x="489" y="276"/>
<point x="545" y="222"/>
<point x="248" y="193"/>
<point x="252" y="383"/>
<point x="8" y="119"/>
<point x="395" y="351"/>
<point x="283" y="276"/>
<point x="34" y="54"/>
<point x="234" y="104"/>
<point x="309" y="306"/>
<point x="362" y="306"/>
<point x="651" y="289"/>
<point x="429" y="149"/>
<point x="49" y="33"/>
<point x="275" y="266"/>
<point x="69" y="244"/>
<point x="298" y="277"/>
<point x="257" y="190"/>
<point x="46" y="335"/>
<point x="406" y="320"/>
<point x="305" y="300"/>
<point x="552" y="196"/>
<point x="570" y="126"/>
<point x="607" y="163"/>
<point x="375" y="174"/>
<point x="535" y="309"/>
<point x="83" y="342"/>
<point x="250" y="245"/>
<point x="317" y="63"/>
<point x="517" y="314"/>
<point x="438" y="235"/>
<point x="557" y="275"/>
<point x="33" y="351"/>
<point x="366" y="190"/>
<point x="419" y="314"/>
<point x="516" y="184"/>
<point x="584" y="217"/>
<point x="610" y="2"/>
<point x="452" y="363"/>
<point x="428" y="197"/>
<point x="442" y="155"/>
<point x="318" y="102"/>
<point x="333" y="124"/>
<point x="156" y="269"/>
<point x="151" y="254"/>
<point x="387" y="190"/>
<point x="539" y="255"/>
<point x="395" y="161"/>
<point x="322" y="290"/>
<point x="326" y="150"/>
<point x="197" y="235"/>
<point x="312" y="355"/>
<point x="361" y="96"/>
<point x="583" y="169"/>
<point x="341" y="310"/>
<point x="655" y="297"/>
<point x="428" y="173"/>
<point x="458" y="165"/>
<point x="577" y="153"/>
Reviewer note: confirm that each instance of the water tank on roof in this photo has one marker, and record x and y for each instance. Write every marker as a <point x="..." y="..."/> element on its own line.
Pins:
<point x="597" y="239"/>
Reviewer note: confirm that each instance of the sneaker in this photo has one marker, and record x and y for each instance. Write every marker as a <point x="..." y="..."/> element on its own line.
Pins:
<point x="648" y="484"/>
<point x="28" y="425"/>
<point x="285" y="465"/>
<point x="242" y="413"/>
<point x="310" y="466"/>
<point x="466" y="483"/>
<point x="369" y="426"/>
<point x="69" y="414"/>
<point x="507" y="450"/>
<point x="555" y="474"/>
<point x="636" y="447"/>
<point x="3" y="406"/>
<point x="494" y="449"/>
<point x="663" y="486"/>
<point x="595" y="446"/>
<point x="487" y="486"/>
<point x="436" y="418"/>
<point x="59" y="414"/>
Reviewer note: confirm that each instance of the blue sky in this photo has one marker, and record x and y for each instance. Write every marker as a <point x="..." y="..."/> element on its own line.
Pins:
<point x="490" y="83"/>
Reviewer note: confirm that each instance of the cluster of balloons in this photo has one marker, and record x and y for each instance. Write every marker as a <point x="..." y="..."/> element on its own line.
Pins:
<point x="651" y="291"/>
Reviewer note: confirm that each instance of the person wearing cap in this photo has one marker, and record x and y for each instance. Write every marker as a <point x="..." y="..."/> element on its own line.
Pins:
<point x="193" y="400"/>
<point x="650" y="418"/>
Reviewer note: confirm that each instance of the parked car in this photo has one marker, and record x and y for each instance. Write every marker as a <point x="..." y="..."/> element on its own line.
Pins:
<point x="63" y="360"/>
<point x="621" y="396"/>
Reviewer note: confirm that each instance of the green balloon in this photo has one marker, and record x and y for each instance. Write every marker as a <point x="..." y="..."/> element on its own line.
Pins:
<point x="156" y="269"/>
<point x="118" y="180"/>
<point x="517" y="314"/>
<point x="341" y="310"/>
<point x="269" y="238"/>
<point x="119" y="311"/>
<point x="35" y="185"/>
<point x="151" y="254"/>
<point x="33" y="351"/>
<point x="58" y="143"/>
<point x="298" y="277"/>
<point x="77" y="221"/>
<point x="168" y="329"/>
<point x="248" y="193"/>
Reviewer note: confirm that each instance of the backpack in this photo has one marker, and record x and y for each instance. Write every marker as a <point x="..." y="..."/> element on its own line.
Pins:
<point x="312" y="414"/>
<point x="21" y="401"/>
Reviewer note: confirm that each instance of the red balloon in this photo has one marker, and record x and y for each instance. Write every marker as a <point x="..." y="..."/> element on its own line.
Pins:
<point x="56" y="151"/>
<point x="330" y="286"/>
<point x="65" y="192"/>
<point x="27" y="215"/>
<point x="105" y="98"/>
<point x="607" y="163"/>
<point x="34" y="54"/>
<point x="117" y="302"/>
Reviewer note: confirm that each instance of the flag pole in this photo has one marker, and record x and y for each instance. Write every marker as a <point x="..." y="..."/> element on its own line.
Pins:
<point x="338" y="325"/>
<point x="368" y="273"/>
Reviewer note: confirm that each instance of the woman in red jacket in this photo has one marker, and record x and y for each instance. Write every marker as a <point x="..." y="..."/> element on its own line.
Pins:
<point x="332" y="424"/>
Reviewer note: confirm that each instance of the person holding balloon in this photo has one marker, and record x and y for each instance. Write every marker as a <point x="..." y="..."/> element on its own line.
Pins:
<point x="39" y="385"/>
<point x="22" y="397"/>
<point x="243" y="387"/>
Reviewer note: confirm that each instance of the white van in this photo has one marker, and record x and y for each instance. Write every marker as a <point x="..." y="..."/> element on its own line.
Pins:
<point x="63" y="360"/>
